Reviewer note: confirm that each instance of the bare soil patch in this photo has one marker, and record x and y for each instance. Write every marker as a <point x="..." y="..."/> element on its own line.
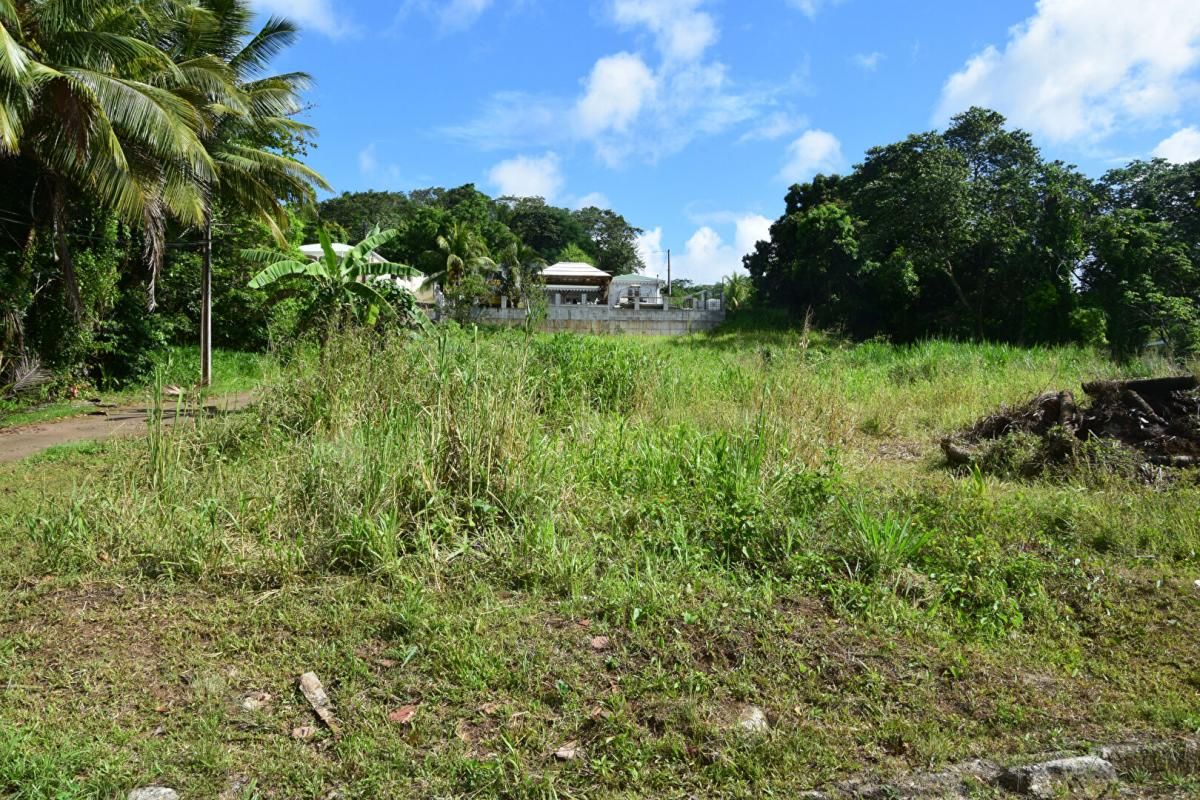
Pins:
<point x="131" y="420"/>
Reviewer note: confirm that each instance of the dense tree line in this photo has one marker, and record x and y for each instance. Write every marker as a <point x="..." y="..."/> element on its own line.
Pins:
<point x="971" y="233"/>
<point x="599" y="236"/>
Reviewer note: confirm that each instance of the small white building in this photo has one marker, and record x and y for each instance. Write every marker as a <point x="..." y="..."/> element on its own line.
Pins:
<point x="413" y="282"/>
<point x="627" y="291"/>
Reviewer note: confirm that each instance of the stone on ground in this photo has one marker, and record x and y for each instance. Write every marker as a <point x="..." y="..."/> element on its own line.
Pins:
<point x="1051" y="778"/>
<point x="753" y="720"/>
<point x="153" y="793"/>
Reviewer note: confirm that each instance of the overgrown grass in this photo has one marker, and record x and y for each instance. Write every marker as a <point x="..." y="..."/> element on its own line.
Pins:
<point x="611" y="541"/>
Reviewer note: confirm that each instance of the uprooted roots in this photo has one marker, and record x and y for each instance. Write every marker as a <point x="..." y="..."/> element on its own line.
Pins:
<point x="1140" y="423"/>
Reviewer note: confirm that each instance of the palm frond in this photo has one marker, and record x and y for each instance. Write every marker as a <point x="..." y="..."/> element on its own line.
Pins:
<point x="150" y="115"/>
<point x="275" y="36"/>
<point x="13" y="59"/>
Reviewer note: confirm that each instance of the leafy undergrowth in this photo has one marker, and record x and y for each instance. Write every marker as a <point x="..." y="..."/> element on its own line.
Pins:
<point x="520" y="544"/>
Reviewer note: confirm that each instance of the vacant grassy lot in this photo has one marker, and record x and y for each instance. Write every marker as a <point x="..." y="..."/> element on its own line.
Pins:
<point x="493" y="549"/>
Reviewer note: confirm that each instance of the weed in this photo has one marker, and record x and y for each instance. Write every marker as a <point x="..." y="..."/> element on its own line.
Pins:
<point x="880" y="544"/>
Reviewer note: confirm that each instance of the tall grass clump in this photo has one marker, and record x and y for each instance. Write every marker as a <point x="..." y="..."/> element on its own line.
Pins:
<point x="880" y="543"/>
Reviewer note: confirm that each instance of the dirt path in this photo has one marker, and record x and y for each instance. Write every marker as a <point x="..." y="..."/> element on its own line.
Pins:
<point x="26" y="440"/>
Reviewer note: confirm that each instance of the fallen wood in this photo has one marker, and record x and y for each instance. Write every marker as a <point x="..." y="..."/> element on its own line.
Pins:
<point x="1157" y="419"/>
<point x="1135" y="400"/>
<point x="956" y="454"/>
<point x="1143" y="386"/>
<point x="314" y="693"/>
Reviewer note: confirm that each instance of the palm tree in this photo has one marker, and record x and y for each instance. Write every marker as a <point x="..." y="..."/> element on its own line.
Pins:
<point x="243" y="129"/>
<point x="519" y="270"/>
<point x="737" y="290"/>
<point x="339" y="283"/>
<point x="461" y="251"/>
<point x="90" y="101"/>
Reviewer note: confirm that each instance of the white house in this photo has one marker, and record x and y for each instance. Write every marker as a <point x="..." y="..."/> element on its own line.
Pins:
<point x="630" y="290"/>
<point x="575" y="283"/>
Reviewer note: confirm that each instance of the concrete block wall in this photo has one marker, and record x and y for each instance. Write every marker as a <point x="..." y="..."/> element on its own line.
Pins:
<point x="602" y="319"/>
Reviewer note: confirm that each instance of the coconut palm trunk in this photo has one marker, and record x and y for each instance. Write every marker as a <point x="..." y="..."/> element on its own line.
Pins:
<point x="206" y="306"/>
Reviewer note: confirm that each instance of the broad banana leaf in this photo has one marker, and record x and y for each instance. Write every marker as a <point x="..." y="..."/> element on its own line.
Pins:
<point x="283" y="269"/>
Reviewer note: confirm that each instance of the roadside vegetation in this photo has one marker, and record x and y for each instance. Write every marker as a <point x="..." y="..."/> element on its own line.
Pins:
<point x="494" y="548"/>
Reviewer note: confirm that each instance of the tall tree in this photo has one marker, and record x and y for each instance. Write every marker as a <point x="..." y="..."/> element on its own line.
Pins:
<point x="546" y="228"/>
<point x="611" y="240"/>
<point x="89" y="99"/>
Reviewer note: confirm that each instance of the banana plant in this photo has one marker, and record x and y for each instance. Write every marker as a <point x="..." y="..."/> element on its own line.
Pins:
<point x="338" y="283"/>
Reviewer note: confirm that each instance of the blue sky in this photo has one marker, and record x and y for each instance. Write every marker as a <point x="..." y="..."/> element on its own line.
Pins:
<point x="691" y="117"/>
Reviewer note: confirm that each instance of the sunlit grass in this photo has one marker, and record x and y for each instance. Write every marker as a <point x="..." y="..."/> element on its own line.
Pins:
<point x="612" y="541"/>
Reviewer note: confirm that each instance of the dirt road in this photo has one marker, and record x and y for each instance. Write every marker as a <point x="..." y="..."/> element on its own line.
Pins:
<point x="26" y="440"/>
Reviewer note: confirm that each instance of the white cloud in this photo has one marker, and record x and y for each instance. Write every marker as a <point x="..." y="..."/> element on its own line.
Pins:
<point x="752" y="229"/>
<point x="632" y="106"/>
<point x="653" y="254"/>
<point x="592" y="200"/>
<point x="775" y="126"/>
<point x="815" y="151"/>
<point x="371" y="167"/>
<point x="811" y="8"/>
<point x="317" y="15"/>
<point x="512" y="120"/>
<point x="1181" y="147"/>
<point x="1079" y="69"/>
<point x="706" y="256"/>
<point x="619" y="86"/>
<point x="458" y="14"/>
<point x="450" y="15"/>
<point x="368" y="159"/>
<point x="681" y="30"/>
<point x="869" y="61"/>
<point x="525" y="176"/>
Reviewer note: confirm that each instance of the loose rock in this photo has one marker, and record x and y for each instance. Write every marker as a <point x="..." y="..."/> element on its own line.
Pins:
<point x="568" y="751"/>
<point x="255" y="701"/>
<point x="753" y="720"/>
<point x="1049" y="778"/>
<point x="314" y="692"/>
<point x="153" y="793"/>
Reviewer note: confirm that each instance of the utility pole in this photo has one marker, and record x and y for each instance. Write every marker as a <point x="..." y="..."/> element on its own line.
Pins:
<point x="668" y="272"/>
<point x="206" y="306"/>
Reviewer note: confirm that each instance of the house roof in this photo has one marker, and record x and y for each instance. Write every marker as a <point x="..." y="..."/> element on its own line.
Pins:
<point x="574" y="269"/>
<point x="566" y="287"/>
<point x="638" y="279"/>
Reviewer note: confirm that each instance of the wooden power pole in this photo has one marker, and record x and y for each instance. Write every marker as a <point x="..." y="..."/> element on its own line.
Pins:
<point x="206" y="307"/>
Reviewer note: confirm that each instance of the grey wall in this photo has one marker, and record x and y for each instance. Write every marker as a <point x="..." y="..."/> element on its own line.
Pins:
<point x="602" y="319"/>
